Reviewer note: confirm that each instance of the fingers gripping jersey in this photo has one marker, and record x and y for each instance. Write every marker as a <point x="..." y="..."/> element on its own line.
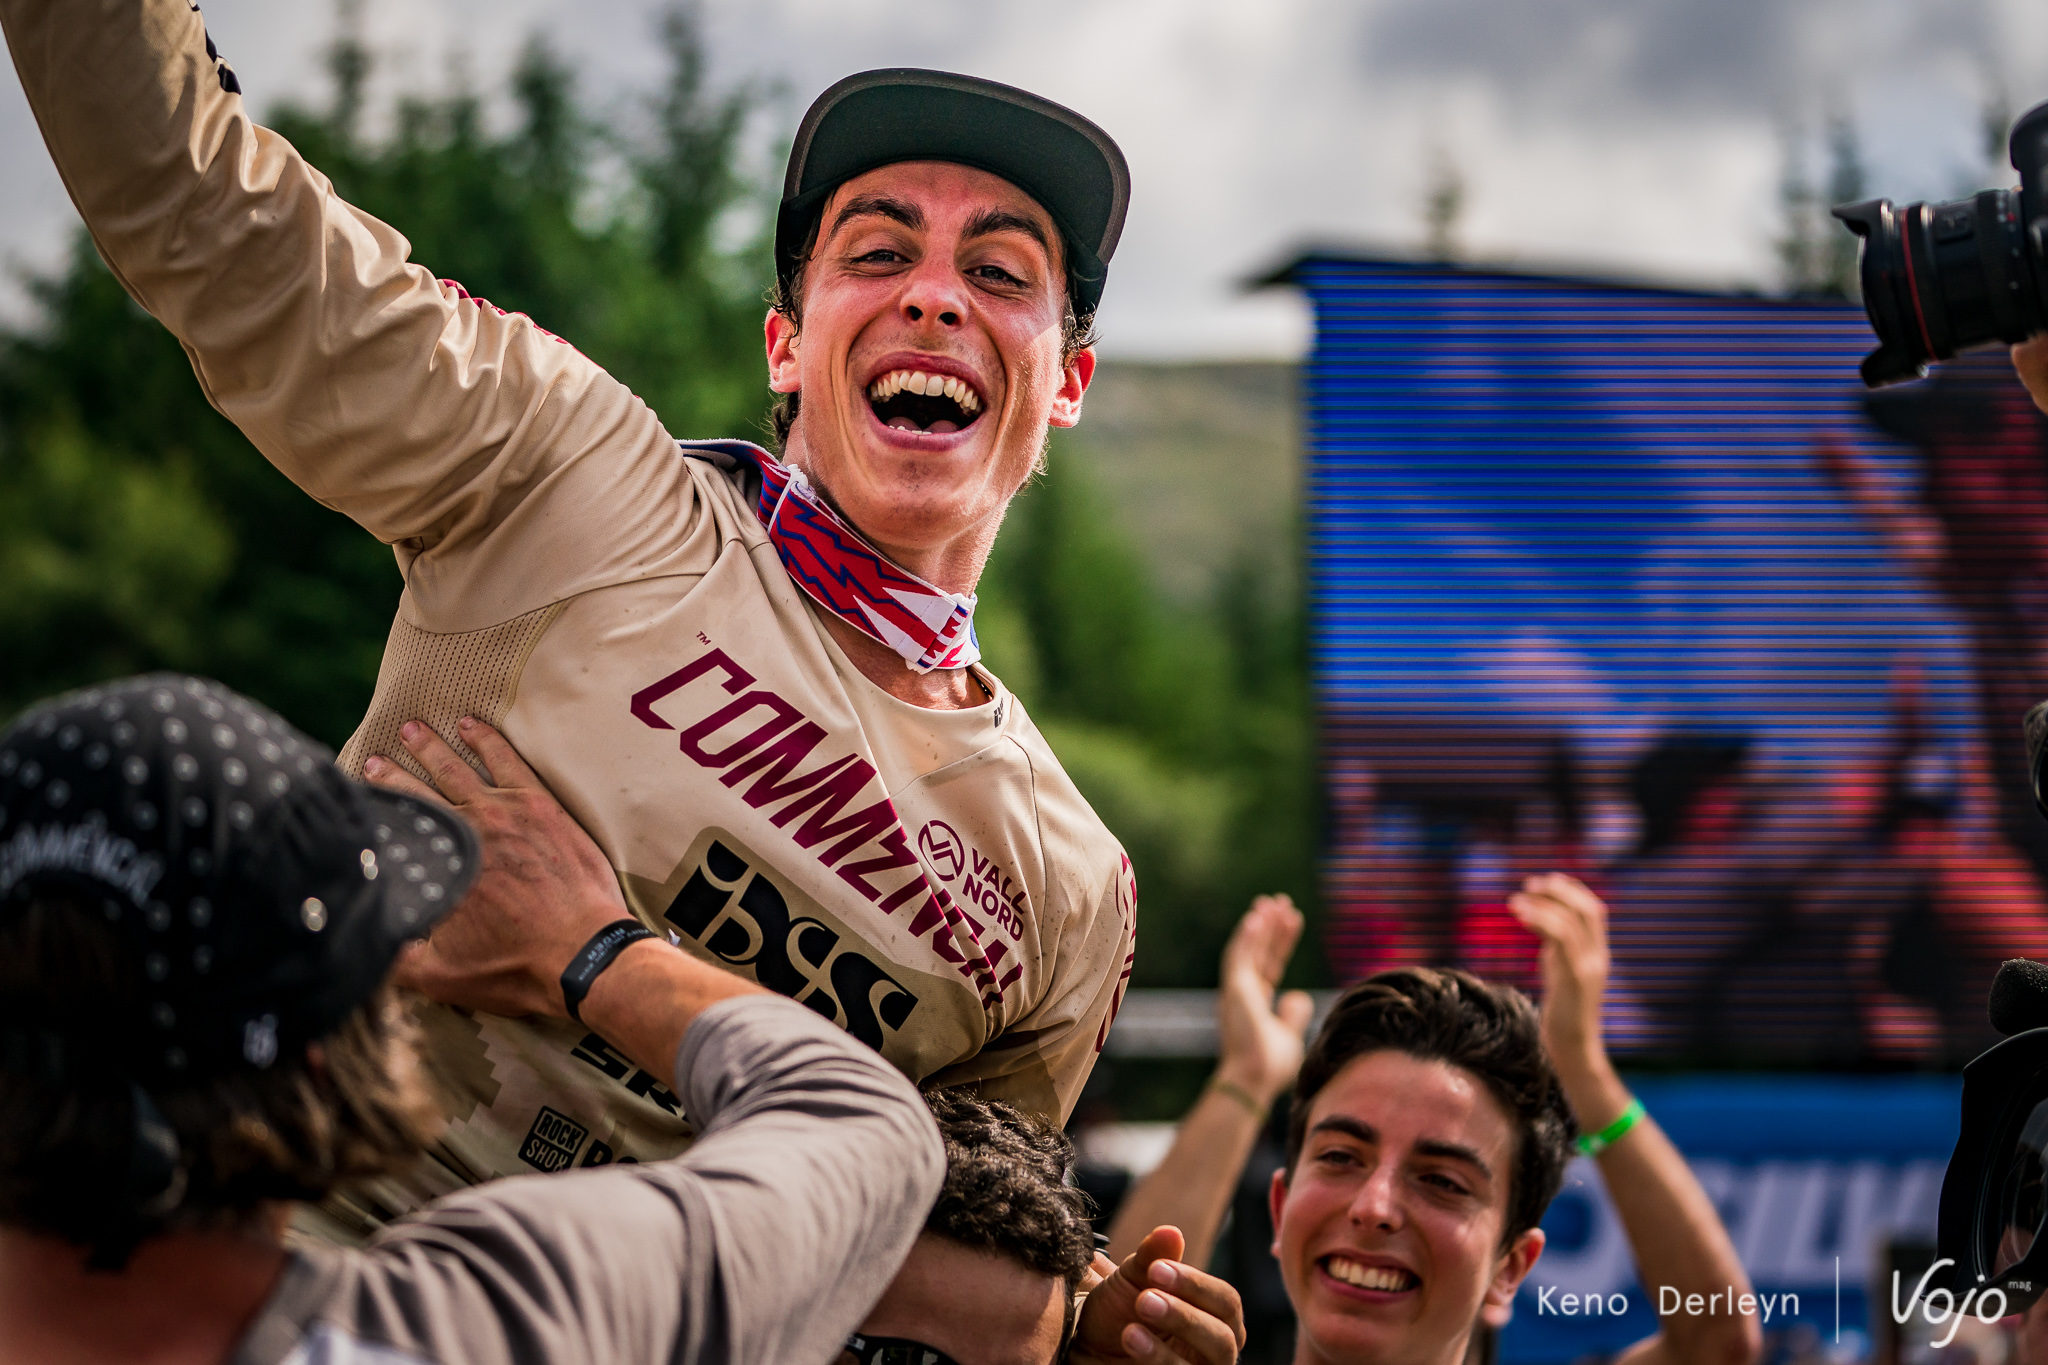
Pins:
<point x="930" y="880"/>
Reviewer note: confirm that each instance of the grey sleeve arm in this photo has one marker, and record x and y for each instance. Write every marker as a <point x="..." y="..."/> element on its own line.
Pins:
<point x="820" y="1163"/>
<point x="767" y="1241"/>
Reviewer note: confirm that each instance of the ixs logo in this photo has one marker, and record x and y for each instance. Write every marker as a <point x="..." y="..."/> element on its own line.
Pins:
<point x="743" y="919"/>
<point x="974" y="877"/>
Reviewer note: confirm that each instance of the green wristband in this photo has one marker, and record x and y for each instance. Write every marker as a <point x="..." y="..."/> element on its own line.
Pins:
<point x="1236" y="1092"/>
<point x="1593" y="1144"/>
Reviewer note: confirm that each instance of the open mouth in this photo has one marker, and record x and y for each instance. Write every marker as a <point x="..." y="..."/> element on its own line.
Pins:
<point x="911" y="400"/>
<point x="1389" y="1279"/>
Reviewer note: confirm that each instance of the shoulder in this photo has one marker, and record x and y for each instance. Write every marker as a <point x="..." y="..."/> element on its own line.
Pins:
<point x="1082" y="854"/>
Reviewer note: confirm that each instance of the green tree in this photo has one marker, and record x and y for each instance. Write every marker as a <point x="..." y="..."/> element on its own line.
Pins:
<point x="1816" y="254"/>
<point x="1188" y="730"/>
<point x="138" y="529"/>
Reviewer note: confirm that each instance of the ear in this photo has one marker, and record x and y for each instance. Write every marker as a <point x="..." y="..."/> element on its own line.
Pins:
<point x="1066" y="404"/>
<point x="782" y="362"/>
<point x="1276" y="1200"/>
<point x="1515" y="1264"/>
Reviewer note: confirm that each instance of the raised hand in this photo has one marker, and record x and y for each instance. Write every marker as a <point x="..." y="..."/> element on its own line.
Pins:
<point x="1572" y="922"/>
<point x="1261" y="1037"/>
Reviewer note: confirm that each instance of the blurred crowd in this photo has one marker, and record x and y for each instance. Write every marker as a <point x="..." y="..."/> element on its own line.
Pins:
<point x="1849" y="917"/>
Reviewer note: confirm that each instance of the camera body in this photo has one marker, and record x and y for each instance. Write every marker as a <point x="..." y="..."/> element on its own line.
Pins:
<point x="1941" y="278"/>
<point x="1994" y="1202"/>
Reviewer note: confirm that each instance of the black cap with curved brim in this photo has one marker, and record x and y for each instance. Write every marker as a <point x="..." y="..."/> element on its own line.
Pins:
<point x="264" y="894"/>
<point x="876" y="118"/>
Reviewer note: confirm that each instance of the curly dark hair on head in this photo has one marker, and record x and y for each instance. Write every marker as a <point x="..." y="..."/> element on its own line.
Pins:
<point x="1077" y="334"/>
<point x="1006" y="1187"/>
<point x="1453" y="1017"/>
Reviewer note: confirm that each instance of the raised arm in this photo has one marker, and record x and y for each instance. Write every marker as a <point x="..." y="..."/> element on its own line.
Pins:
<point x="1261" y="1046"/>
<point x="1673" y="1231"/>
<point x="424" y="414"/>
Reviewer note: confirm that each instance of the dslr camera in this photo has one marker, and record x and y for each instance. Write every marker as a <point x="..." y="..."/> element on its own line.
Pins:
<point x="1941" y="278"/>
<point x="1994" y="1198"/>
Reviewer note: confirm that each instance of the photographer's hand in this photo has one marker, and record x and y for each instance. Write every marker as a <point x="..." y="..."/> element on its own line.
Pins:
<point x="2030" y="359"/>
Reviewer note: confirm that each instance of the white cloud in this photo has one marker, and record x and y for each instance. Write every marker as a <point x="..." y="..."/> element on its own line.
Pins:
<point x="1628" y="136"/>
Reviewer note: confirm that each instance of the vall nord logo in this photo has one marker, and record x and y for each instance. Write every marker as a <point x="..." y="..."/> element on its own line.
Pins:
<point x="974" y="876"/>
<point x="943" y="849"/>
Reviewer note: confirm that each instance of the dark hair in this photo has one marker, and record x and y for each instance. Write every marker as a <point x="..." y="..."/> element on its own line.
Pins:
<point x="1670" y="777"/>
<point x="1006" y="1189"/>
<point x="1077" y="332"/>
<point x="68" y="1117"/>
<point x="1453" y="1017"/>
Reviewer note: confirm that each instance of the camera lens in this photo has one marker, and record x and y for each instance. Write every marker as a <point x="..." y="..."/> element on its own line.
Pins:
<point x="1940" y="278"/>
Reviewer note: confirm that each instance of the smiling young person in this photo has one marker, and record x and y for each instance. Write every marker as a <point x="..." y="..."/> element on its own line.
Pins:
<point x="754" y="681"/>
<point x="1428" y="1134"/>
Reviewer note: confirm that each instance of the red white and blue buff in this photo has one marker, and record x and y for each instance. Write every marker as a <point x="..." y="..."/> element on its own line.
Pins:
<point x="930" y="627"/>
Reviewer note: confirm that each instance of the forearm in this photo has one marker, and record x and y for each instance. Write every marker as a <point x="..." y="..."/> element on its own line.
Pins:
<point x="821" y="1162"/>
<point x="646" y="1000"/>
<point x="1191" y="1188"/>
<point x="815" y="1166"/>
<point x="1676" y="1236"/>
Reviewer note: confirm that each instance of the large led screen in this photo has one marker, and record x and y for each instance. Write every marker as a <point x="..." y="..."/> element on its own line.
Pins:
<point x="1640" y="584"/>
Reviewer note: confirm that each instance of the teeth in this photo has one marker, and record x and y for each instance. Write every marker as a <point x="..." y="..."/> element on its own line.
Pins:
<point x="1369" y="1276"/>
<point x="930" y="385"/>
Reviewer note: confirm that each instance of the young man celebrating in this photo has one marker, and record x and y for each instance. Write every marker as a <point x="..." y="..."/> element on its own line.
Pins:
<point x="753" y="682"/>
<point x="1428" y="1135"/>
<point x="1430" y="1131"/>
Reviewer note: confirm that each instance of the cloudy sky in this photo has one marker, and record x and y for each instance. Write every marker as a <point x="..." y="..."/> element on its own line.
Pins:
<point x="1640" y="138"/>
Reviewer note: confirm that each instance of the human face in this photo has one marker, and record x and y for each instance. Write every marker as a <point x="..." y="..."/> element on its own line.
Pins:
<point x="1402" y="1182"/>
<point x="928" y="268"/>
<point x="978" y="1307"/>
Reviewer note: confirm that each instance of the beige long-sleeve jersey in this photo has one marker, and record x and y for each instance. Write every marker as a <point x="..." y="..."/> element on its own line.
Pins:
<point x="930" y="880"/>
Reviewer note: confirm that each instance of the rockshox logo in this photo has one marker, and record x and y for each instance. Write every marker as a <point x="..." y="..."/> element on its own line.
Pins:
<point x="552" y="1142"/>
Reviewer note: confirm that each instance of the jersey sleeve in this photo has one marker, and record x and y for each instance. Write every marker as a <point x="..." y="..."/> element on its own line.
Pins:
<point x="429" y="417"/>
<point x="816" y="1166"/>
<point x="1040" y="1062"/>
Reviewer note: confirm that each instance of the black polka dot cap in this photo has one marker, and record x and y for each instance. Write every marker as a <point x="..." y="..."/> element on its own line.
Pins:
<point x="265" y="893"/>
